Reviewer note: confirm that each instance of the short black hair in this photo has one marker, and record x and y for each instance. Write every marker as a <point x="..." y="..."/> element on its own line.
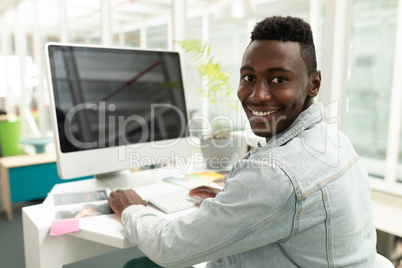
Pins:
<point x="289" y="29"/>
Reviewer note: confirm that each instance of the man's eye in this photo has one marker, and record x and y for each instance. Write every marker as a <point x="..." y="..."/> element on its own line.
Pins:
<point x="248" y="78"/>
<point x="278" y="80"/>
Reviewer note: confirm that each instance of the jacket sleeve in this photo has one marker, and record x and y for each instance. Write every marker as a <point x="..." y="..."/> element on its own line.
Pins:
<point x="255" y="208"/>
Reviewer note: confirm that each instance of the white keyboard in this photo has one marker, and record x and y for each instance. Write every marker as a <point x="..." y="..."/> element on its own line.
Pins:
<point x="172" y="202"/>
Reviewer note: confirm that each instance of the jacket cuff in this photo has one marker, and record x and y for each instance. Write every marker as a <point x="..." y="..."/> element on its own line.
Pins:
<point x="128" y="211"/>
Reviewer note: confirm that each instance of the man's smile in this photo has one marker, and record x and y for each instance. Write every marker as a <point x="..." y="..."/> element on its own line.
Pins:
<point x="263" y="113"/>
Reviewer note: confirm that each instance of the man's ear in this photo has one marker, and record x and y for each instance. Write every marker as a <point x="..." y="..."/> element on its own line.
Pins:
<point x="315" y="84"/>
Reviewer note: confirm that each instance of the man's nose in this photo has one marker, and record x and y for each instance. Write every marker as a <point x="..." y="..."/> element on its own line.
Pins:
<point x="260" y="92"/>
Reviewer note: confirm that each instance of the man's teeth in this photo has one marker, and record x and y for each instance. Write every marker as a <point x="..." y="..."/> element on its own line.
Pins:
<point x="263" y="113"/>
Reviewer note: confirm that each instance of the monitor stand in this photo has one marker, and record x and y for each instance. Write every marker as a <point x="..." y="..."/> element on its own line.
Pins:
<point x="124" y="179"/>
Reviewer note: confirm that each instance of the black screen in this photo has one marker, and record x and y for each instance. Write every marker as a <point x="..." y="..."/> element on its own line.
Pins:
<point x="107" y="96"/>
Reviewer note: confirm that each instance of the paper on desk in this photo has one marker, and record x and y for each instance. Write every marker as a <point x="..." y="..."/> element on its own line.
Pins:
<point x="64" y="227"/>
<point x="193" y="180"/>
<point x="180" y="181"/>
<point x="205" y="177"/>
<point x="73" y="205"/>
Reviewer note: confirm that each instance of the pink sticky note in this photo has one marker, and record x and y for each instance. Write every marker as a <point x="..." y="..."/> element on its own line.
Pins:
<point x="64" y="227"/>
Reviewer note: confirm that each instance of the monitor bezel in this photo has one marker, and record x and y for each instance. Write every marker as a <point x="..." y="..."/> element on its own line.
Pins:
<point x="102" y="161"/>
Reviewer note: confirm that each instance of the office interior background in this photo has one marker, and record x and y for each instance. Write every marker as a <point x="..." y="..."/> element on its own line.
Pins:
<point x="358" y="46"/>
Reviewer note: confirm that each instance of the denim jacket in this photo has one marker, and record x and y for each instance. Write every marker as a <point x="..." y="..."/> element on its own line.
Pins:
<point x="301" y="200"/>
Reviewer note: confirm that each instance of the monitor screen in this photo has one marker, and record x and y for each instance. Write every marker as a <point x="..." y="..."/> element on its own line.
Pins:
<point x="105" y="98"/>
<point x="108" y="97"/>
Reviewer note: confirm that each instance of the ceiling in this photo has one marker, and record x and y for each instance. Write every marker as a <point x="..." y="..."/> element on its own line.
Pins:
<point x="84" y="17"/>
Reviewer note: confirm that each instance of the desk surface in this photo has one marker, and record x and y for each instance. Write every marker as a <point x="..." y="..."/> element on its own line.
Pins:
<point x="97" y="235"/>
<point x="107" y="229"/>
<point x="104" y="229"/>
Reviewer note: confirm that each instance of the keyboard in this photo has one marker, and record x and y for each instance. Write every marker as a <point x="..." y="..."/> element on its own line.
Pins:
<point x="174" y="201"/>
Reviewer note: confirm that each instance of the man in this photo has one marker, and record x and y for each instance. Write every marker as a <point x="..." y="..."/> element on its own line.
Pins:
<point x="301" y="200"/>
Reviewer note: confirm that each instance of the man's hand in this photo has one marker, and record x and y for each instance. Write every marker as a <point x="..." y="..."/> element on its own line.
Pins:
<point x="204" y="191"/>
<point x="121" y="199"/>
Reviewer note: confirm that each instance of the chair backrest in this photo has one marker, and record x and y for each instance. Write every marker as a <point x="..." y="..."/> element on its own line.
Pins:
<point x="382" y="262"/>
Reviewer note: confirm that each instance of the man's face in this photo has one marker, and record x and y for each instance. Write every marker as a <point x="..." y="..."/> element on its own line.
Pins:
<point x="274" y="85"/>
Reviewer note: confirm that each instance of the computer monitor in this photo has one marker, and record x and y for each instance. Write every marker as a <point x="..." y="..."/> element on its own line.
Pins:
<point x="114" y="109"/>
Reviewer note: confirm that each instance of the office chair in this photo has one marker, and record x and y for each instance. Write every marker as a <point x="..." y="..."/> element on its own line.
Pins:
<point x="382" y="262"/>
<point x="143" y="262"/>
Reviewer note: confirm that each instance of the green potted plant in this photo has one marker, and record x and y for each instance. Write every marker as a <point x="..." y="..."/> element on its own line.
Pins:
<point x="217" y="145"/>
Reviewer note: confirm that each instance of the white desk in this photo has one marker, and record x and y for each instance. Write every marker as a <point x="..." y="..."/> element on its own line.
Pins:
<point x="98" y="235"/>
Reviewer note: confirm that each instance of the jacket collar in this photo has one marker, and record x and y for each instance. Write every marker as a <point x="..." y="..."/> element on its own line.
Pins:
<point x="306" y="119"/>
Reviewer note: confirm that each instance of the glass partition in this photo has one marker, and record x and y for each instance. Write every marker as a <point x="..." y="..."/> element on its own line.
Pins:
<point x="157" y="36"/>
<point x="372" y="45"/>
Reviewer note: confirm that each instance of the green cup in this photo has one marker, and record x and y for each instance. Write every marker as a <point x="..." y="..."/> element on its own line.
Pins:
<point x="10" y="133"/>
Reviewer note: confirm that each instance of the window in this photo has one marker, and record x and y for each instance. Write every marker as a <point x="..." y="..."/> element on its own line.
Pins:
<point x="157" y="37"/>
<point x="369" y="90"/>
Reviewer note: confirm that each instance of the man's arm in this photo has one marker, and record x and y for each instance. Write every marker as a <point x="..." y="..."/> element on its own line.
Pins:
<point x="121" y="199"/>
<point x="255" y="208"/>
<point x="204" y="191"/>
